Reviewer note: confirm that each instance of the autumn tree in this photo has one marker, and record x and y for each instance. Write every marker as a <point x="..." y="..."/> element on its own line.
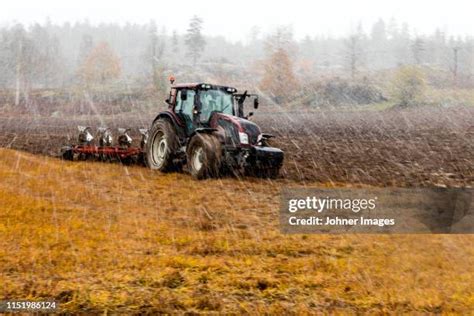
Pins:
<point x="194" y="40"/>
<point x="279" y="80"/>
<point x="101" y="65"/>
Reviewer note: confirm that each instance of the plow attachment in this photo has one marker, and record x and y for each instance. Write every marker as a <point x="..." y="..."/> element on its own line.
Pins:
<point x="105" y="150"/>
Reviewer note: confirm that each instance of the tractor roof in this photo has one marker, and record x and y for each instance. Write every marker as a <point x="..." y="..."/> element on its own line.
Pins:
<point x="195" y="85"/>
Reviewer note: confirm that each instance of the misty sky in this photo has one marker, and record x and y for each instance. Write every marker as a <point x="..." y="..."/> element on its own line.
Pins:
<point x="234" y="19"/>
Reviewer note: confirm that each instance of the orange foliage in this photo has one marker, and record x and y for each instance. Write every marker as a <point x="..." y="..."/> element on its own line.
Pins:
<point x="279" y="80"/>
<point x="101" y="65"/>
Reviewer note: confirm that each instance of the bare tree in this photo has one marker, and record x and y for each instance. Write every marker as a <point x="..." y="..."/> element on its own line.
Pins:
<point x="455" y="64"/>
<point x="22" y="57"/>
<point x="354" y="51"/>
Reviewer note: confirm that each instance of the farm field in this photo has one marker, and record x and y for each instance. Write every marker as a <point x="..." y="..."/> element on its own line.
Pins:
<point x="104" y="237"/>
<point x="333" y="143"/>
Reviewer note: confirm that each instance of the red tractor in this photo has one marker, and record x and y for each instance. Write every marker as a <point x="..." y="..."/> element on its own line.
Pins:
<point x="205" y="128"/>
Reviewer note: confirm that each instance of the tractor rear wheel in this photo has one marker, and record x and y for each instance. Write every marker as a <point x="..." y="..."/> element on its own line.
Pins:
<point x="204" y="156"/>
<point x="161" y="146"/>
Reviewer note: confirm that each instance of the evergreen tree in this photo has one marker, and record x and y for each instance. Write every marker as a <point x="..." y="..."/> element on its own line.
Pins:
<point x="379" y="33"/>
<point x="418" y="47"/>
<point x="175" y="42"/>
<point x="85" y="48"/>
<point x="194" y="40"/>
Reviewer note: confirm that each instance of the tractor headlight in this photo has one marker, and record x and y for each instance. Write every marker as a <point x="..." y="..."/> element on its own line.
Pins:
<point x="244" y="138"/>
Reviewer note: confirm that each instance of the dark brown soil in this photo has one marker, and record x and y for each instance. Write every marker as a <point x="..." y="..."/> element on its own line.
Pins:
<point x="417" y="147"/>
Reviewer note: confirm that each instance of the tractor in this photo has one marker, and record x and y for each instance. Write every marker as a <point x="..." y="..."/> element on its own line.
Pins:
<point x="206" y="129"/>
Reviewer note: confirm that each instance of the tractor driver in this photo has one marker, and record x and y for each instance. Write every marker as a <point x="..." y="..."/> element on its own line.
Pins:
<point x="208" y="105"/>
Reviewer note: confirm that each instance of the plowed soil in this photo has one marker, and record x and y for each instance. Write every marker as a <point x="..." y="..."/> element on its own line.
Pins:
<point x="417" y="147"/>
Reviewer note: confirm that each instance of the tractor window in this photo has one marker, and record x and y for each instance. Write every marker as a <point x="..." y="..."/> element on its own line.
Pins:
<point x="185" y="107"/>
<point x="215" y="100"/>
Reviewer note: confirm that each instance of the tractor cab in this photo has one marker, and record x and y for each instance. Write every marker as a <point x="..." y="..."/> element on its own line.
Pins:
<point x="195" y="103"/>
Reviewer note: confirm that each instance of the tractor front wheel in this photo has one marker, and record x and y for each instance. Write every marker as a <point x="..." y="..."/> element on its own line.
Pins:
<point x="204" y="156"/>
<point x="161" y="146"/>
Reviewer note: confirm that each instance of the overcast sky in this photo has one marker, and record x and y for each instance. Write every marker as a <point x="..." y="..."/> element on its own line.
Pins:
<point x="234" y="19"/>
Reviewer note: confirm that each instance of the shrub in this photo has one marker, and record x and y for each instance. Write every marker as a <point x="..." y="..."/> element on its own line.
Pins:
<point x="408" y="86"/>
<point x="339" y="92"/>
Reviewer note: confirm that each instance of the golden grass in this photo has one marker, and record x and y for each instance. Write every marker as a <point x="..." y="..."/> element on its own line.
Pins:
<point x="104" y="237"/>
<point x="451" y="97"/>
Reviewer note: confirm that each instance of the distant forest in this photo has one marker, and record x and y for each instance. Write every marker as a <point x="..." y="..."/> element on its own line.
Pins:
<point x="50" y="56"/>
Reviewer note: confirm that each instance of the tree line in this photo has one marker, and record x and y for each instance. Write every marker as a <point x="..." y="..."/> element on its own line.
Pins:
<point x="49" y="55"/>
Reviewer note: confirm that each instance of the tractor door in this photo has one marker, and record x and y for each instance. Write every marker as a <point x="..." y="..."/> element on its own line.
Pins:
<point x="184" y="108"/>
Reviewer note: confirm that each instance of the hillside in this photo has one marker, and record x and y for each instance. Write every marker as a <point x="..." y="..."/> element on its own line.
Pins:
<point x="104" y="237"/>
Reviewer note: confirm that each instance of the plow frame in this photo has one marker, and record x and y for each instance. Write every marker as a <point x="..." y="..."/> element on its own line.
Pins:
<point x="121" y="153"/>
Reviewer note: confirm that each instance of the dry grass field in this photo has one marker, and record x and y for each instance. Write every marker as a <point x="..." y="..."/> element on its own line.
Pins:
<point x="108" y="238"/>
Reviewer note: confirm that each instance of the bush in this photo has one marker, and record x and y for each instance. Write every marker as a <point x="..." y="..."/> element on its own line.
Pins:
<point x="408" y="86"/>
<point x="338" y="92"/>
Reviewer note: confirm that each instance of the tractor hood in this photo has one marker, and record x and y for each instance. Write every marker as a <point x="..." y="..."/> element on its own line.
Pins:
<point x="240" y="125"/>
<point x="250" y="128"/>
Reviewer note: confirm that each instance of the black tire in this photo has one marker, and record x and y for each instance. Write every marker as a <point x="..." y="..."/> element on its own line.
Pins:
<point x="161" y="146"/>
<point x="204" y="156"/>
